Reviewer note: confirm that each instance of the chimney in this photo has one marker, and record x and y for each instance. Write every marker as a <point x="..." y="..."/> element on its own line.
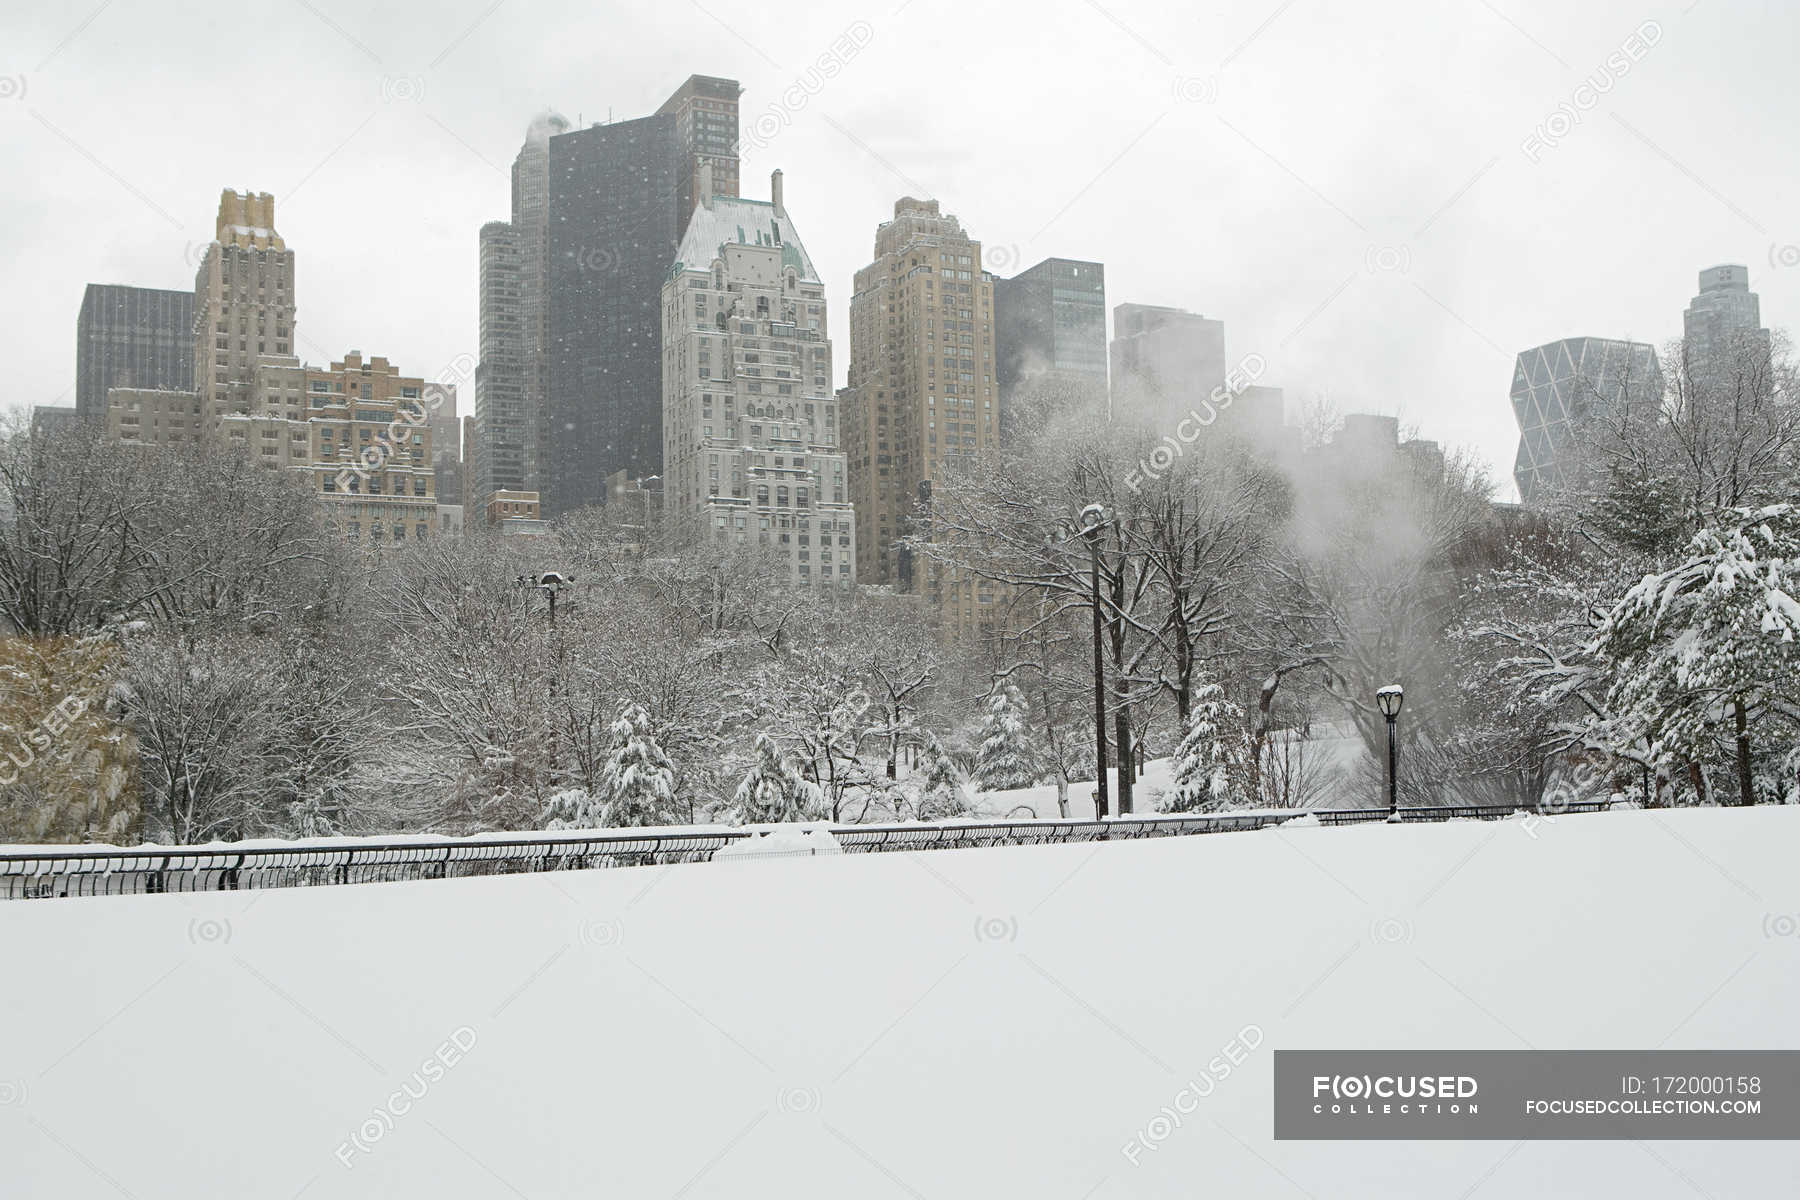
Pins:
<point x="775" y="193"/>
<point x="703" y="186"/>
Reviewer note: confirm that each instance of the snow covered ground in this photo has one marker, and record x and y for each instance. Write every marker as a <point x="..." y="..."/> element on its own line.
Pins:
<point x="988" y="1023"/>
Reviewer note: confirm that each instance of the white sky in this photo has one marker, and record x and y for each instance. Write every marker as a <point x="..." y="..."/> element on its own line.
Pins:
<point x="1342" y="184"/>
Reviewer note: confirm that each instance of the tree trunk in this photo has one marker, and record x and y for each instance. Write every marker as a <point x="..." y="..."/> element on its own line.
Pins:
<point x="1062" y="795"/>
<point x="1746" y="783"/>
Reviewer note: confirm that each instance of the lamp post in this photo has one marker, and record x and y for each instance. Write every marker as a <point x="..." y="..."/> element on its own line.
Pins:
<point x="1093" y="519"/>
<point x="550" y="583"/>
<point x="1390" y="698"/>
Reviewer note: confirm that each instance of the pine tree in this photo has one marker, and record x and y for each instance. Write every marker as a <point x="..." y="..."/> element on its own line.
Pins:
<point x="638" y="782"/>
<point x="1706" y="652"/>
<point x="1004" y="759"/>
<point x="773" y="791"/>
<point x="1211" y="761"/>
<point x="941" y="792"/>
<point x="573" y="808"/>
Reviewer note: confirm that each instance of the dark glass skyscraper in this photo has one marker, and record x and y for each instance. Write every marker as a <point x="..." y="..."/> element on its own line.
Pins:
<point x="1050" y="335"/>
<point x="131" y="337"/>
<point x="612" y="239"/>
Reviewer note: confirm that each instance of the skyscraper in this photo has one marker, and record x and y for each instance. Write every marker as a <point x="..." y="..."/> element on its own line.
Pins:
<point x="1165" y="363"/>
<point x="512" y="380"/>
<point x="131" y="337"/>
<point x="922" y="391"/>
<point x="569" y="388"/>
<point x="1050" y="336"/>
<point x="503" y="424"/>
<point x="1724" y="319"/>
<point x="612" y="239"/>
<point x="244" y="304"/>
<point x="750" y="423"/>
<point x="1557" y="388"/>
<point x="530" y="222"/>
<point x="705" y="109"/>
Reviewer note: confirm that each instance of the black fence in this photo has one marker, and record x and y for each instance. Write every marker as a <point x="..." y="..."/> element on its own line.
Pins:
<point x="72" y="872"/>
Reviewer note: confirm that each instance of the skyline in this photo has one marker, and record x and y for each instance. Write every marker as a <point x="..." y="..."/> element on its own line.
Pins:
<point x="1405" y="289"/>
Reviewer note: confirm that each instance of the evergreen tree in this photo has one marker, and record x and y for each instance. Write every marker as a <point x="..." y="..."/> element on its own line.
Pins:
<point x="1706" y="653"/>
<point x="1211" y="761"/>
<point x="1004" y="759"/>
<point x="941" y="791"/>
<point x="638" y="782"/>
<point x="573" y="808"/>
<point x="773" y="791"/>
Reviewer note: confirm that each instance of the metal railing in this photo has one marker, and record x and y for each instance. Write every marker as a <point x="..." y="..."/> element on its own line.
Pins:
<point x="55" y="872"/>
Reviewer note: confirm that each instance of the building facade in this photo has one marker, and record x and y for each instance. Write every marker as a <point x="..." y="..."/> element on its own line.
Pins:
<point x="750" y="421"/>
<point x="368" y="448"/>
<point x="131" y="337"/>
<point x="504" y="425"/>
<point x="922" y="393"/>
<point x="1559" y="386"/>
<point x="1166" y="362"/>
<point x="1724" y="321"/>
<point x="244" y="305"/>
<point x="612" y="238"/>
<point x="1050" y="337"/>
<point x="705" y="110"/>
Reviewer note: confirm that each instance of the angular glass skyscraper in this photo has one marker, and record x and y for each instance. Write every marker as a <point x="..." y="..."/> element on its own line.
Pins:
<point x="1558" y="387"/>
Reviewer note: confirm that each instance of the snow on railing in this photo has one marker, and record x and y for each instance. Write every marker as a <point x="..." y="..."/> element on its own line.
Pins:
<point x="57" y="871"/>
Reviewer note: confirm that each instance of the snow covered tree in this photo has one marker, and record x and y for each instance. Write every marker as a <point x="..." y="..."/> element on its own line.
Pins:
<point x="1708" y="650"/>
<point x="941" y="793"/>
<point x="1210" y="764"/>
<point x="1005" y="758"/>
<point x="573" y="808"/>
<point x="308" y="818"/>
<point x="638" y="782"/>
<point x="773" y="790"/>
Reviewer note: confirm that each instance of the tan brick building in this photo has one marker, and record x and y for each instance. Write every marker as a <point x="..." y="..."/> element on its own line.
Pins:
<point x="921" y="393"/>
<point x="359" y="431"/>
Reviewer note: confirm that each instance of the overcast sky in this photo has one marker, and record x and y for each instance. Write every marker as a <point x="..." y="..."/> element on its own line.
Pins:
<point x="1347" y="186"/>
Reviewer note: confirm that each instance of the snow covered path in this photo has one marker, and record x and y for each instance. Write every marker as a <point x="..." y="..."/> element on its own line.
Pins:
<point x="955" y="1024"/>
